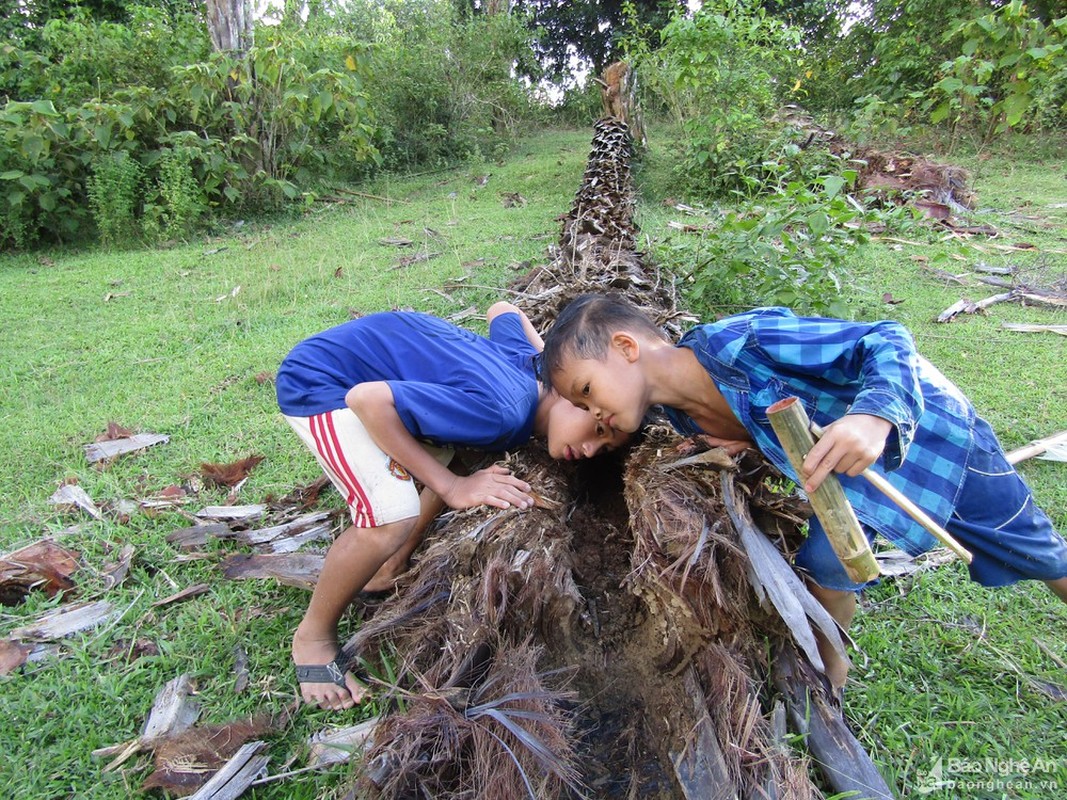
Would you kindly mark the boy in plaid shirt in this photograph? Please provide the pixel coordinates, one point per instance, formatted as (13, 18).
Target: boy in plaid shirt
(877, 399)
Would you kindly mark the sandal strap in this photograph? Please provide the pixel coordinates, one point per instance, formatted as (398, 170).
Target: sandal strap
(334, 672)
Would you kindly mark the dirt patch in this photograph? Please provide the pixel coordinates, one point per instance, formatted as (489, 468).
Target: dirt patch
(615, 652)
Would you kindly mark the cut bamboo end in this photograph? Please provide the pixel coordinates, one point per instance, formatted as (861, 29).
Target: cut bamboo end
(831, 506)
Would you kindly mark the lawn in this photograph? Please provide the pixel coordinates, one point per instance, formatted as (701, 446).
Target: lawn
(175, 340)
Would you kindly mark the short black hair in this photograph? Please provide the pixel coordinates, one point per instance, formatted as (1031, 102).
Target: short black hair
(584, 328)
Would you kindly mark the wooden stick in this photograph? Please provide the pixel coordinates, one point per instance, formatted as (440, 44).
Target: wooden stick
(371, 196)
(909, 508)
(843, 530)
(1036, 448)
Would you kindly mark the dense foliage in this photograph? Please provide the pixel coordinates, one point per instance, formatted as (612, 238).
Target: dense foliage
(985, 65)
(136, 129)
(119, 121)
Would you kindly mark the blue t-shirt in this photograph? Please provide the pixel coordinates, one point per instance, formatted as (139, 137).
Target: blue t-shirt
(451, 387)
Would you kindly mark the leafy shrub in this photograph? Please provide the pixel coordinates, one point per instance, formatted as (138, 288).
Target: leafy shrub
(176, 202)
(113, 188)
(276, 119)
(442, 86)
(250, 133)
(580, 106)
(790, 249)
(720, 73)
(1009, 62)
(79, 58)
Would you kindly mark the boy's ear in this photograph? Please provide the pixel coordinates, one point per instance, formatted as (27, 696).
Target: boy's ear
(627, 344)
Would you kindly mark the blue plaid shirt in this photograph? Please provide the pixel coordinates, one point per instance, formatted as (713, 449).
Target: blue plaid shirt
(836, 368)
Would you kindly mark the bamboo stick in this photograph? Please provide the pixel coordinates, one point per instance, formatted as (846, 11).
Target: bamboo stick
(791, 424)
(909, 508)
(1036, 448)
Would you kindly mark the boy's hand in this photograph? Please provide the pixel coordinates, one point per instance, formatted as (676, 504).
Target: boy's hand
(494, 486)
(849, 445)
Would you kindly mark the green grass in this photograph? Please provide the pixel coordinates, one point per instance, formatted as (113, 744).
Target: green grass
(154, 340)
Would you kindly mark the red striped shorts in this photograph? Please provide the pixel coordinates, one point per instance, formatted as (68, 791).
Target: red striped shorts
(377, 489)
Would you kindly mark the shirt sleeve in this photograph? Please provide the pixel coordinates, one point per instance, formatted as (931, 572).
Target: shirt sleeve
(876, 360)
(450, 416)
(506, 330)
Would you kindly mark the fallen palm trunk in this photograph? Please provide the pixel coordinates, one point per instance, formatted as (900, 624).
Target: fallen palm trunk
(616, 641)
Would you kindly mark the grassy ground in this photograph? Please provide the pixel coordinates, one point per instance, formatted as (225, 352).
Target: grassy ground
(165, 341)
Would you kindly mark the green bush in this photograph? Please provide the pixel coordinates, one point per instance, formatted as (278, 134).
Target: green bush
(251, 133)
(78, 58)
(791, 248)
(176, 202)
(442, 86)
(720, 75)
(1010, 62)
(114, 186)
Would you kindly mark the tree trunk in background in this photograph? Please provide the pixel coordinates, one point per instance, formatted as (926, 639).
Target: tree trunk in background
(230, 24)
(618, 93)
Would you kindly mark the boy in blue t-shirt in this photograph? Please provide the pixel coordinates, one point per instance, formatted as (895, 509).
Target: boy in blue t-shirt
(386, 397)
(877, 399)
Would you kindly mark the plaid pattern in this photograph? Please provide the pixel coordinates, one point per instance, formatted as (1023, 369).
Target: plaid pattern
(836, 367)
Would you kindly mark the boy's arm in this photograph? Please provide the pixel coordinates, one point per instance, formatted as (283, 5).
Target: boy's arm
(880, 360)
(503, 307)
(373, 403)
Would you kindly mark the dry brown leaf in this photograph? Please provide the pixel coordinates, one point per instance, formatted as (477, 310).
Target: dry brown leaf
(115, 573)
(291, 569)
(42, 565)
(229, 475)
(114, 431)
(302, 497)
(187, 593)
(264, 377)
(131, 651)
(186, 761)
(12, 655)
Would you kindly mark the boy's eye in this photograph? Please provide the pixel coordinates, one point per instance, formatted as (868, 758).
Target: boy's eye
(599, 429)
(585, 390)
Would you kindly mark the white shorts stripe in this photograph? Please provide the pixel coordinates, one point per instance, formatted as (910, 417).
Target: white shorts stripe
(376, 489)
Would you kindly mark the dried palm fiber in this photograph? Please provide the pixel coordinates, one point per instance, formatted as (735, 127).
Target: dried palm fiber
(631, 578)
(597, 247)
(506, 737)
(692, 572)
(890, 175)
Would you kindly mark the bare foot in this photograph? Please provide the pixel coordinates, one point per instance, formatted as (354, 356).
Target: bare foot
(326, 695)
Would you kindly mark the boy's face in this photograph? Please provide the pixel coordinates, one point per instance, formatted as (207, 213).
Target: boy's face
(574, 434)
(611, 389)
